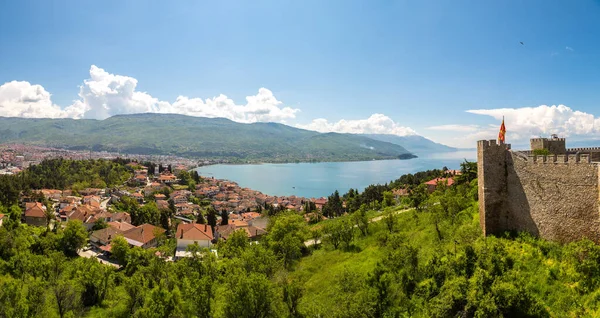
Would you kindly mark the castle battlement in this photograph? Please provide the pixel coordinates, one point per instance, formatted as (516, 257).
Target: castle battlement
(546, 139)
(554, 196)
(559, 159)
(485, 144)
(586, 149)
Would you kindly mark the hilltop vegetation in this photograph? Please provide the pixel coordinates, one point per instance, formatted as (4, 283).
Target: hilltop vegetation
(197, 137)
(422, 256)
(63, 174)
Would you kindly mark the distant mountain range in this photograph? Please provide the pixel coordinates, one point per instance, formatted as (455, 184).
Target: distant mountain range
(414, 143)
(210, 138)
(197, 137)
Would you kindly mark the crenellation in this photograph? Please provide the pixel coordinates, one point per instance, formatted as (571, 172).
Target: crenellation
(573, 158)
(540, 159)
(587, 149)
(585, 158)
(554, 196)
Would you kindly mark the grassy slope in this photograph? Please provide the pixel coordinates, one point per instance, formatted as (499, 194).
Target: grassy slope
(545, 269)
(317, 270)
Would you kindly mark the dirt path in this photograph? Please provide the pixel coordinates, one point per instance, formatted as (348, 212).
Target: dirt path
(375, 219)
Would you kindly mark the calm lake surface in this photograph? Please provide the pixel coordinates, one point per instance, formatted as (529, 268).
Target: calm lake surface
(322, 179)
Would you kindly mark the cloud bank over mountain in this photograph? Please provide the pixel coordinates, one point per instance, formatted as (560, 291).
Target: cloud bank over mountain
(105, 94)
(376, 124)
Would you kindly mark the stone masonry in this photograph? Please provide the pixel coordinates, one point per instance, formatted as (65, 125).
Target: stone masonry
(554, 197)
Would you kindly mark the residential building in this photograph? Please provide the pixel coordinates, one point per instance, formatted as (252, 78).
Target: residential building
(35, 214)
(190, 234)
(103, 237)
(143, 236)
(433, 184)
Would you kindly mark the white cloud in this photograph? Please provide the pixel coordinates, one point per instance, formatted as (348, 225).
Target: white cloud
(544, 120)
(376, 124)
(568, 48)
(259, 108)
(460, 128)
(104, 95)
(22, 99)
(523, 124)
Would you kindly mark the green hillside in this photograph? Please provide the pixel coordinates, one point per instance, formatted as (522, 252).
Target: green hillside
(197, 137)
(431, 261)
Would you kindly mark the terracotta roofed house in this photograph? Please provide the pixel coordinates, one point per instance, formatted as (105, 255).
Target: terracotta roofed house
(143, 236)
(35, 214)
(253, 232)
(190, 234)
(319, 203)
(104, 236)
(432, 184)
(122, 226)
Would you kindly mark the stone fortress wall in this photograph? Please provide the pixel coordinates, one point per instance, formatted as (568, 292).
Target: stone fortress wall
(553, 196)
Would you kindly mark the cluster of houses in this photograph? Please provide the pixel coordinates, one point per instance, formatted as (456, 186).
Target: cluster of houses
(90, 206)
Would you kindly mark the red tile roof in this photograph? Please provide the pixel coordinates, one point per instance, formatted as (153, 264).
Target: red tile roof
(123, 226)
(143, 233)
(36, 211)
(447, 181)
(194, 232)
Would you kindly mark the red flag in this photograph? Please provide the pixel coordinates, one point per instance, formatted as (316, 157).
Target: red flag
(502, 132)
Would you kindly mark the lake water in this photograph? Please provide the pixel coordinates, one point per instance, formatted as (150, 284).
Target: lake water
(322, 179)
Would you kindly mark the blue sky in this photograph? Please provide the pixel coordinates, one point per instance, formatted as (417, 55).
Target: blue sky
(422, 64)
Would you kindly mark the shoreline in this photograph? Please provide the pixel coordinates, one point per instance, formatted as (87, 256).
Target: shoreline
(296, 162)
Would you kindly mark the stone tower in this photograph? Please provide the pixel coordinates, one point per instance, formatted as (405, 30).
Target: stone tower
(554, 145)
(491, 167)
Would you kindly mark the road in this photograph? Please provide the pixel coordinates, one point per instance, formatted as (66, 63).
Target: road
(375, 219)
(101, 258)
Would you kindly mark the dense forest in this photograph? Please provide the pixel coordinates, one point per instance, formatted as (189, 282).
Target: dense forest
(422, 256)
(64, 174)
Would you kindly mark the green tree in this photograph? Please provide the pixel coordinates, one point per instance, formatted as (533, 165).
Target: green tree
(286, 235)
(148, 213)
(224, 217)
(251, 296)
(200, 218)
(390, 219)
(236, 244)
(74, 237)
(192, 186)
(292, 293)
(418, 196)
(468, 171)
(99, 224)
(119, 249)
(361, 219)
(67, 295)
(211, 217)
(339, 232)
(388, 199)
(184, 177)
